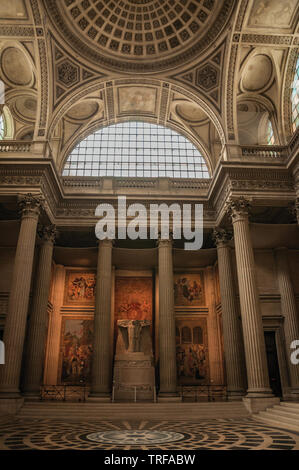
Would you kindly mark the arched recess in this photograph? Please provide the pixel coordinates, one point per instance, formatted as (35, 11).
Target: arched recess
(253, 116)
(18, 74)
(7, 124)
(257, 103)
(148, 100)
(287, 92)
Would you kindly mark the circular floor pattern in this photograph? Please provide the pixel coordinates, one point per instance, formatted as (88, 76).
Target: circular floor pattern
(221, 434)
(135, 437)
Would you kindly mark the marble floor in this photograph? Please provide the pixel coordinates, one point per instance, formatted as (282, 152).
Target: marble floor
(220, 434)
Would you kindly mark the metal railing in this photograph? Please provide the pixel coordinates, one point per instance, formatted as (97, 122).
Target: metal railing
(64, 393)
(134, 392)
(207, 392)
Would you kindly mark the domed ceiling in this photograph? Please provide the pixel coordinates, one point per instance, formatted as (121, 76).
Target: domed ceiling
(139, 35)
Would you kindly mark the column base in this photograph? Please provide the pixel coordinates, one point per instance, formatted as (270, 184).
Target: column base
(235, 395)
(165, 397)
(33, 394)
(254, 405)
(31, 397)
(99, 398)
(259, 393)
(293, 395)
(10, 406)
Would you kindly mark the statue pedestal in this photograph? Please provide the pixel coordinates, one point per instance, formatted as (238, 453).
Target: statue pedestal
(134, 377)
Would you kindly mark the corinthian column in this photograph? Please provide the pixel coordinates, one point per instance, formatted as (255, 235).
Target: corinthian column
(101, 362)
(16, 319)
(167, 346)
(253, 334)
(37, 325)
(232, 334)
(289, 311)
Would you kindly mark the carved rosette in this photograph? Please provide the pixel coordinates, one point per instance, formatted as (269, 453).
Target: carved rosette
(48, 233)
(30, 205)
(221, 236)
(238, 209)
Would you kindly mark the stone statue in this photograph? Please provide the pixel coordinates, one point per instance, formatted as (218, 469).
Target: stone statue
(131, 331)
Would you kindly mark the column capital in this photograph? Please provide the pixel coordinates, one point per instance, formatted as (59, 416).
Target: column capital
(164, 242)
(30, 205)
(221, 236)
(238, 208)
(47, 233)
(106, 243)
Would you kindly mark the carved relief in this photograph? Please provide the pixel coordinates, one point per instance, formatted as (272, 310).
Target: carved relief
(274, 14)
(207, 77)
(140, 99)
(67, 73)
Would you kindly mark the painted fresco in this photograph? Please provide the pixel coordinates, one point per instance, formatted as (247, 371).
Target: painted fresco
(133, 298)
(189, 290)
(80, 287)
(192, 352)
(76, 347)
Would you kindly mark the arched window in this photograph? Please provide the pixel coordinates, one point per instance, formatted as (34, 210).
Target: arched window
(6, 124)
(136, 149)
(270, 134)
(2, 127)
(295, 98)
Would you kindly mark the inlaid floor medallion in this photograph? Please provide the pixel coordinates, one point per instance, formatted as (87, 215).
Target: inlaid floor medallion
(135, 437)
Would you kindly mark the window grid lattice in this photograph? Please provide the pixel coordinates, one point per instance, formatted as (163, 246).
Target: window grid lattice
(136, 149)
(295, 98)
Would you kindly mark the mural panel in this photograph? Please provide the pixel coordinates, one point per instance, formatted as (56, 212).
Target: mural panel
(192, 351)
(189, 290)
(80, 287)
(76, 350)
(133, 298)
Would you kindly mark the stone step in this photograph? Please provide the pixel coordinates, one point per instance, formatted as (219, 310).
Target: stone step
(285, 418)
(165, 411)
(290, 404)
(285, 415)
(284, 411)
(276, 423)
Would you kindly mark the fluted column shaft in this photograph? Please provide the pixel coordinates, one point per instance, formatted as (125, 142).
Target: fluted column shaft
(37, 325)
(232, 334)
(289, 311)
(253, 334)
(215, 360)
(53, 346)
(101, 366)
(167, 346)
(15, 325)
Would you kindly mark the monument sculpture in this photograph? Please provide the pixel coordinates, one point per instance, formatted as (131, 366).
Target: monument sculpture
(134, 375)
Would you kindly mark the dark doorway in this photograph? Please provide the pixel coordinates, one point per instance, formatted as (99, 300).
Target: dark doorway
(273, 366)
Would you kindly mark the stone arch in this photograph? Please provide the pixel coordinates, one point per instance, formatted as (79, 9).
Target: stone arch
(130, 99)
